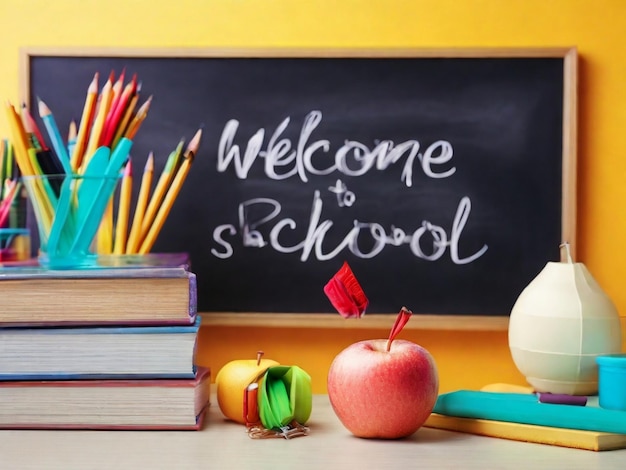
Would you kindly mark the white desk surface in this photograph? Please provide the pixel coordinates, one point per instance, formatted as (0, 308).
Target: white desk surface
(225, 445)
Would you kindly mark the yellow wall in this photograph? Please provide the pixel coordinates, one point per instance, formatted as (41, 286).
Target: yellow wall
(596, 27)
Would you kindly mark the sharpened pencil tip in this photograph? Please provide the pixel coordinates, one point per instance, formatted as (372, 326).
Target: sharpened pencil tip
(128, 170)
(194, 143)
(149, 162)
(44, 110)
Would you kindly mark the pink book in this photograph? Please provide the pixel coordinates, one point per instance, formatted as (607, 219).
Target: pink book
(160, 404)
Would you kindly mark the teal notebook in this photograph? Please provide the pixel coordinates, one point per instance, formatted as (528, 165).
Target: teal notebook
(526, 409)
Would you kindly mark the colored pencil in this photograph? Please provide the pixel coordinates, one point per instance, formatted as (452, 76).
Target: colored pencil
(9, 162)
(138, 118)
(32, 130)
(172, 193)
(71, 137)
(116, 91)
(20, 141)
(121, 224)
(55, 136)
(140, 207)
(5, 205)
(128, 113)
(159, 192)
(3, 162)
(104, 103)
(104, 236)
(17, 213)
(118, 110)
(85, 123)
(27, 163)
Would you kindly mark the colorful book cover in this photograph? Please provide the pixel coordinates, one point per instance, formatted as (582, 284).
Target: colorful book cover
(169, 404)
(72, 353)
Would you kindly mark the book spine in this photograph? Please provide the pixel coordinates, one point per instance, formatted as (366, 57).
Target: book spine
(193, 295)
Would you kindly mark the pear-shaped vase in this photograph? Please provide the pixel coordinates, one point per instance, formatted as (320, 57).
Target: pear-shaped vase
(558, 326)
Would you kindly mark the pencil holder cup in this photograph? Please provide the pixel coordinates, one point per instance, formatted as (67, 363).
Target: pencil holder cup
(14, 244)
(69, 210)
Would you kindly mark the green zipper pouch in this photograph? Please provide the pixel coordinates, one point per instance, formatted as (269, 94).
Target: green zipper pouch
(285, 396)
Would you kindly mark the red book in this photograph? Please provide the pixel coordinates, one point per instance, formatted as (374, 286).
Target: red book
(163, 404)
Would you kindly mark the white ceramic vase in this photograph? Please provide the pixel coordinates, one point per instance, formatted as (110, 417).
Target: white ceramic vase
(560, 322)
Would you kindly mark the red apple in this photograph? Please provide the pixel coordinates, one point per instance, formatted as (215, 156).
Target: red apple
(383, 388)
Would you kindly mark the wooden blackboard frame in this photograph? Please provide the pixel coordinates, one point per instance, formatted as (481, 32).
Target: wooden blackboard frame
(324, 320)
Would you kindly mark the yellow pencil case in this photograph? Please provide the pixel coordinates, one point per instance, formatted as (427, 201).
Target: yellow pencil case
(285, 396)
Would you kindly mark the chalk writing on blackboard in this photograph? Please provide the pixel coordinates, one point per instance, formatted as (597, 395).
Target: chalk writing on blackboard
(283, 159)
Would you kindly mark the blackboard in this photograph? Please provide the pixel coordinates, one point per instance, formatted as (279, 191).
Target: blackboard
(445, 178)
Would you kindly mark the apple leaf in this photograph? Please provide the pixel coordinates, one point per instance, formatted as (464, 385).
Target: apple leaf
(345, 293)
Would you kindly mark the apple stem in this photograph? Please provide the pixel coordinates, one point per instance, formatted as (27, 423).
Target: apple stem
(259, 355)
(401, 320)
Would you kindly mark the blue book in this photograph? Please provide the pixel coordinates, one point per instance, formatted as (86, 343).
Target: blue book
(73, 353)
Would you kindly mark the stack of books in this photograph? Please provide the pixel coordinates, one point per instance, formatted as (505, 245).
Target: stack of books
(103, 348)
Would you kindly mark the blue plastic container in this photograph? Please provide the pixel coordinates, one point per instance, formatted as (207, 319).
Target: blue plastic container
(612, 381)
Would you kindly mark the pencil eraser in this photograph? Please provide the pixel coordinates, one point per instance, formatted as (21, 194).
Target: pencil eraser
(562, 399)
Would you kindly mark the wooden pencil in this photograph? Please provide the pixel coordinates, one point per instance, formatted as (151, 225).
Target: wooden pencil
(121, 223)
(28, 166)
(138, 118)
(118, 110)
(72, 131)
(98, 124)
(20, 141)
(3, 161)
(5, 204)
(104, 236)
(85, 124)
(116, 93)
(32, 130)
(140, 207)
(127, 115)
(159, 191)
(55, 136)
(71, 137)
(172, 193)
